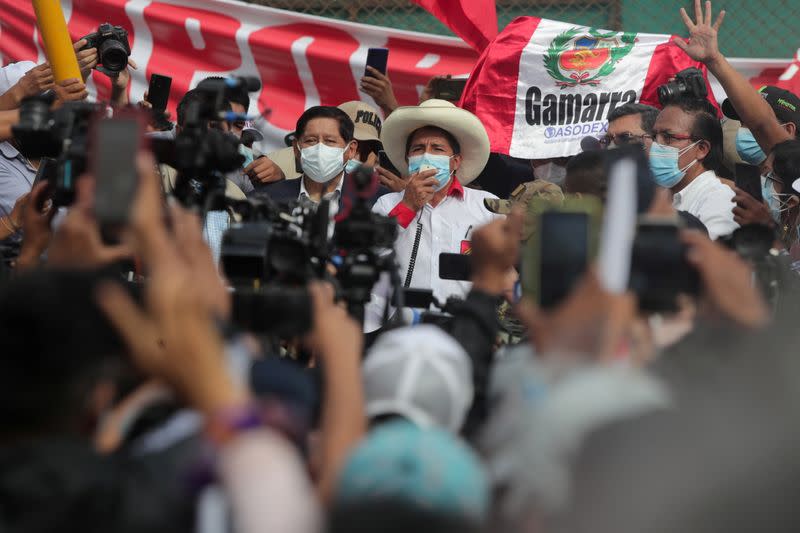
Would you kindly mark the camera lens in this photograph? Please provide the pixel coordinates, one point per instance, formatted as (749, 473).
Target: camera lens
(666, 92)
(113, 55)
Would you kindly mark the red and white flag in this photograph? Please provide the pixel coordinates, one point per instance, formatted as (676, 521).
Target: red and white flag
(541, 86)
(475, 21)
(790, 79)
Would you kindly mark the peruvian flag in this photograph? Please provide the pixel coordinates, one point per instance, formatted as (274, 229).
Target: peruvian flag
(475, 21)
(541, 86)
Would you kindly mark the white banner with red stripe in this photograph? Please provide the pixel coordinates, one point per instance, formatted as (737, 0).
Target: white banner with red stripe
(304, 60)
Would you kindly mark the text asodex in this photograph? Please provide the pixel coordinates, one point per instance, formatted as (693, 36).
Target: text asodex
(560, 109)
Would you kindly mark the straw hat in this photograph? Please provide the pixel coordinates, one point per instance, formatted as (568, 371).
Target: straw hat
(460, 123)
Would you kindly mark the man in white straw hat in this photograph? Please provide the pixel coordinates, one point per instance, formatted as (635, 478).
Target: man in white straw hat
(442, 148)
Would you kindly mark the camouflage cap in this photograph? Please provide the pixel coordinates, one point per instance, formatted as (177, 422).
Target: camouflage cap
(523, 194)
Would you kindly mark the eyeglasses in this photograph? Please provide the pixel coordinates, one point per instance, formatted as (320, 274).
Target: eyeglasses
(667, 139)
(623, 139)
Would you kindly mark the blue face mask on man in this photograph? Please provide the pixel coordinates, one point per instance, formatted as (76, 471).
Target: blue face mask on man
(748, 149)
(426, 161)
(351, 166)
(664, 164)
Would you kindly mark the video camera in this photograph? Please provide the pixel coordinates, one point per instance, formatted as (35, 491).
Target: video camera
(277, 250)
(112, 46)
(688, 83)
(62, 134)
(202, 155)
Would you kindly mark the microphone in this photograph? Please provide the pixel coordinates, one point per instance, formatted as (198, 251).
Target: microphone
(590, 144)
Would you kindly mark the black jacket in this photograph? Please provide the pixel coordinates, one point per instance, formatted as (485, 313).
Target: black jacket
(285, 191)
(62, 484)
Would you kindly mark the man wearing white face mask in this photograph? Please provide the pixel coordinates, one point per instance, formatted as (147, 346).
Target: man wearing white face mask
(686, 151)
(323, 145)
(441, 148)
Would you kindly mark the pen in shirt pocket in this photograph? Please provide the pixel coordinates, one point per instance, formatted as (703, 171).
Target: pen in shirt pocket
(467, 234)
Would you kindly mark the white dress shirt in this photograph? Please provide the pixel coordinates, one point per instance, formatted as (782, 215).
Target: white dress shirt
(444, 227)
(710, 200)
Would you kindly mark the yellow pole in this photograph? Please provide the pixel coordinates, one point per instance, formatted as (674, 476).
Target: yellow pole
(57, 42)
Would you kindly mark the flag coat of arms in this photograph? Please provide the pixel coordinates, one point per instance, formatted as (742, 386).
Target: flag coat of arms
(541, 86)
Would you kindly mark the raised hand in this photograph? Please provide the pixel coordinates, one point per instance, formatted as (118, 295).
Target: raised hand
(702, 45)
(379, 87)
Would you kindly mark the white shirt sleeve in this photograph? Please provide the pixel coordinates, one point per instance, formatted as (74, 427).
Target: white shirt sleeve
(717, 213)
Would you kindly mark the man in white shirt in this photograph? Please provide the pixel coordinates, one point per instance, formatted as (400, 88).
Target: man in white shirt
(443, 148)
(686, 149)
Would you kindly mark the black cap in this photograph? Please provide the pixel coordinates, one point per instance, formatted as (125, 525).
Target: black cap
(785, 104)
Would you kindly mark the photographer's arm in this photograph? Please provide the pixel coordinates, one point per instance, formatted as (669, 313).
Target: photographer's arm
(8, 119)
(338, 342)
(495, 249)
(702, 46)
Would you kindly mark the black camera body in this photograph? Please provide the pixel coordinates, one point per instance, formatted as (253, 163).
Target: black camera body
(282, 248)
(62, 135)
(688, 83)
(112, 46)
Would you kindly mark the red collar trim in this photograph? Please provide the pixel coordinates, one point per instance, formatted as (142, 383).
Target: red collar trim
(456, 189)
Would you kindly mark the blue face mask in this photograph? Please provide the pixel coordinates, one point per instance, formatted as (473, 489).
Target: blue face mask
(351, 166)
(778, 203)
(748, 149)
(664, 164)
(247, 153)
(428, 161)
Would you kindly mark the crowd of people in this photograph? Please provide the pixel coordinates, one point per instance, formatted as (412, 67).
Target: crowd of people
(136, 394)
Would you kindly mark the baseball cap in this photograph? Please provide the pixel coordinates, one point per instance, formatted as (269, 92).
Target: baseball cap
(12, 73)
(420, 373)
(548, 192)
(785, 104)
(426, 467)
(366, 119)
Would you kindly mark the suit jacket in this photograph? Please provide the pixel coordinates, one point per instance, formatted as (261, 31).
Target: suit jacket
(285, 191)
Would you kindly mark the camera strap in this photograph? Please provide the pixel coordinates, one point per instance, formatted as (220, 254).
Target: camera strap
(414, 250)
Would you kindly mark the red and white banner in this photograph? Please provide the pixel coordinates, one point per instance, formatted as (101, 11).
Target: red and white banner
(304, 60)
(541, 86)
(301, 60)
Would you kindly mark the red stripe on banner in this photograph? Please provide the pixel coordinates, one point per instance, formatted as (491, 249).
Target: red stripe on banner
(486, 94)
(17, 27)
(213, 50)
(668, 60)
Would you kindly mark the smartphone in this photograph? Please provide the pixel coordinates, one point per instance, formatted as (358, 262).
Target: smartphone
(449, 89)
(456, 267)
(115, 145)
(659, 269)
(158, 92)
(377, 58)
(47, 171)
(748, 178)
(556, 256)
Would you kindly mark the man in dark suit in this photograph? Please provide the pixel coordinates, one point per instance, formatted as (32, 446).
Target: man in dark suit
(327, 151)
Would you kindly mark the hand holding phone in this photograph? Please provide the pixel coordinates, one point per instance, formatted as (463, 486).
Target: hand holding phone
(158, 91)
(377, 58)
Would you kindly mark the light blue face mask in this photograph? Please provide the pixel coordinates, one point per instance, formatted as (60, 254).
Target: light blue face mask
(351, 166)
(430, 161)
(248, 155)
(664, 164)
(748, 149)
